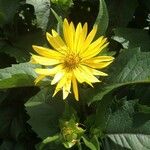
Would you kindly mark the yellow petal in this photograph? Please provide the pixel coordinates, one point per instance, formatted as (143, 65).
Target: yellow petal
(48, 72)
(82, 38)
(46, 52)
(67, 87)
(75, 88)
(84, 76)
(77, 36)
(85, 30)
(66, 32)
(99, 65)
(61, 83)
(97, 72)
(89, 38)
(39, 78)
(71, 35)
(57, 76)
(56, 42)
(78, 75)
(88, 74)
(32, 60)
(59, 86)
(45, 61)
(95, 48)
(59, 40)
(98, 59)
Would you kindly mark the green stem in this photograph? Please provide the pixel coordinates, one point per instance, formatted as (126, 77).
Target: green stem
(79, 145)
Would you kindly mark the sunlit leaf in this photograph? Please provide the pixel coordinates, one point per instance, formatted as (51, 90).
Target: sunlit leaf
(42, 11)
(18, 75)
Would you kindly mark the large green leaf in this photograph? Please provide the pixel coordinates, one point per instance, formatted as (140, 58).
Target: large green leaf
(12, 120)
(121, 12)
(44, 113)
(147, 4)
(14, 130)
(7, 10)
(102, 18)
(18, 75)
(20, 46)
(127, 142)
(127, 128)
(18, 53)
(131, 67)
(42, 11)
(23, 44)
(130, 38)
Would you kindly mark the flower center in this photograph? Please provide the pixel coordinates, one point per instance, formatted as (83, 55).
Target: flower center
(71, 61)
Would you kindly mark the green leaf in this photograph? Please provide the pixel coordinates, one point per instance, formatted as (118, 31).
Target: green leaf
(102, 18)
(130, 38)
(102, 115)
(3, 95)
(50, 139)
(12, 145)
(60, 22)
(89, 144)
(131, 67)
(44, 113)
(42, 11)
(96, 142)
(2, 19)
(127, 128)
(127, 142)
(121, 12)
(51, 146)
(143, 108)
(142, 92)
(147, 4)
(67, 3)
(7, 10)
(18, 75)
(20, 46)
(14, 124)
(23, 45)
(47, 141)
(19, 54)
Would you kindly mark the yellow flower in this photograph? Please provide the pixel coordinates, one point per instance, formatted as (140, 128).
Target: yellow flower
(74, 59)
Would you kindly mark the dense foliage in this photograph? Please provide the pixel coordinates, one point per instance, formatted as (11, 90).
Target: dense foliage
(115, 114)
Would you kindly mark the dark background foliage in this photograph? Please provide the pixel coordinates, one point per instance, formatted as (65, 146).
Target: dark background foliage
(23, 23)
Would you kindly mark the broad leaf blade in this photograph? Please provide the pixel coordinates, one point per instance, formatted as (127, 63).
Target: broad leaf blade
(131, 67)
(18, 75)
(121, 12)
(127, 128)
(102, 18)
(127, 142)
(7, 10)
(44, 113)
(130, 38)
(42, 11)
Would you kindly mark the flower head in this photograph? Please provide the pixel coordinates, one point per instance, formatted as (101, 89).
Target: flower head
(72, 60)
